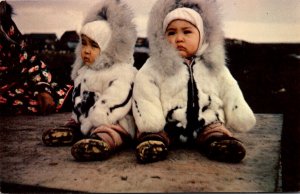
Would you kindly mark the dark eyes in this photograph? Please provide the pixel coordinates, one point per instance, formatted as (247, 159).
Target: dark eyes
(83, 42)
(187, 32)
(171, 33)
(95, 45)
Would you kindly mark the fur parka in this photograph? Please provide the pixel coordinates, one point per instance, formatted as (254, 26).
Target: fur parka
(103, 91)
(170, 95)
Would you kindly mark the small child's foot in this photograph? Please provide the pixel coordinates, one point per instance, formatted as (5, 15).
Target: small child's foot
(61, 136)
(151, 151)
(90, 150)
(226, 149)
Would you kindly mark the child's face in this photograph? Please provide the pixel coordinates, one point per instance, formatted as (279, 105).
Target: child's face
(183, 36)
(90, 50)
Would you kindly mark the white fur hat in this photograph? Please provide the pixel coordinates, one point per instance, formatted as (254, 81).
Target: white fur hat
(99, 31)
(186, 14)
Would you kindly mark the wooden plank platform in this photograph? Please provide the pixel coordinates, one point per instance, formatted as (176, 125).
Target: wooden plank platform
(26, 161)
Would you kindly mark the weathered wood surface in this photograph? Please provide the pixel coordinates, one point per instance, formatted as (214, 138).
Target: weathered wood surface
(26, 161)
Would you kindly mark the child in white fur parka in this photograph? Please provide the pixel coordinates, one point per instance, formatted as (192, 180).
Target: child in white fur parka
(103, 75)
(184, 93)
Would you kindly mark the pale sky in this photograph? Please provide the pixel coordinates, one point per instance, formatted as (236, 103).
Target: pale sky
(249, 20)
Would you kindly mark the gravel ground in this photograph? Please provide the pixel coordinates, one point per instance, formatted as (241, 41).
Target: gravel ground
(26, 161)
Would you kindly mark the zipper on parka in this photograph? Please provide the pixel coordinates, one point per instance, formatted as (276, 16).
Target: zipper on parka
(192, 86)
(192, 111)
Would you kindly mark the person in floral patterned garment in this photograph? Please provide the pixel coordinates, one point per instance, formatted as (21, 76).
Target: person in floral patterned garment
(26, 85)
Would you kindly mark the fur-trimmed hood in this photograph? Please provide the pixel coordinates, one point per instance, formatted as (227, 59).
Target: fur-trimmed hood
(212, 51)
(121, 46)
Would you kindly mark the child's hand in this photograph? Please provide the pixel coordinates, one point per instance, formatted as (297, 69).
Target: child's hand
(46, 103)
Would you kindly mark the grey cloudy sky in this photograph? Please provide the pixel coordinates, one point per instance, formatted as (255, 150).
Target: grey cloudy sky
(250, 20)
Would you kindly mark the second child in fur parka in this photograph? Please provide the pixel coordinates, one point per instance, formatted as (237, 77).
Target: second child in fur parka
(102, 85)
(184, 93)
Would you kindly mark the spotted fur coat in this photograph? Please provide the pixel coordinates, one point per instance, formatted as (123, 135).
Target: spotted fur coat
(180, 98)
(103, 91)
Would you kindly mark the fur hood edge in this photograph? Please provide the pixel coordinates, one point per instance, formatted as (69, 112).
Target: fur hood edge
(120, 48)
(161, 50)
